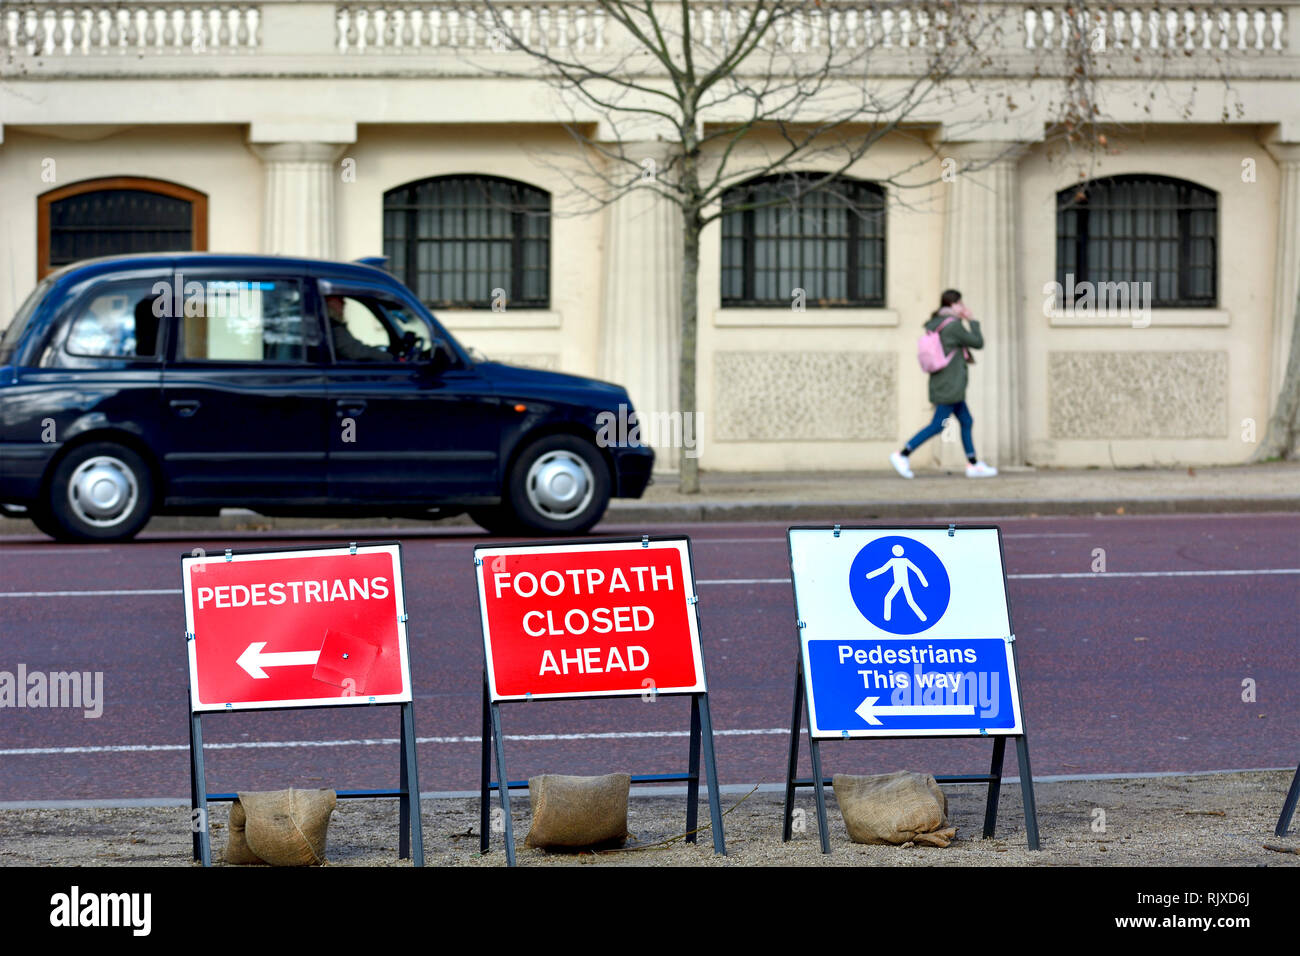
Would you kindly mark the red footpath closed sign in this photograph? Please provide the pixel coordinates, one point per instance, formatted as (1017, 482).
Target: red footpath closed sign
(300, 628)
(589, 620)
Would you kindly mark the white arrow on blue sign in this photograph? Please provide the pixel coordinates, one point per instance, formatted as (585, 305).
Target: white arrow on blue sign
(891, 687)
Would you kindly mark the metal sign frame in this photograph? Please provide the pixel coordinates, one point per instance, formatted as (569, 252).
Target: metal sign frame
(410, 829)
(1288, 806)
(801, 712)
(701, 726)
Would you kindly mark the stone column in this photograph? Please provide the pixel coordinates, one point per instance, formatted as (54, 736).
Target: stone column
(1286, 268)
(640, 329)
(980, 258)
(298, 207)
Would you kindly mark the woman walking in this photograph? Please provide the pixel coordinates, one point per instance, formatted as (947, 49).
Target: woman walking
(948, 382)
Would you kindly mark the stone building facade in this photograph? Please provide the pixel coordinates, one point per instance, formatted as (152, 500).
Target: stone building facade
(308, 127)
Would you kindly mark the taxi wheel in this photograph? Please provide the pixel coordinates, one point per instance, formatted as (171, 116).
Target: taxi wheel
(559, 484)
(98, 492)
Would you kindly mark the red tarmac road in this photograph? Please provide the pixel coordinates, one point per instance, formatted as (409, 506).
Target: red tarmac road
(1136, 669)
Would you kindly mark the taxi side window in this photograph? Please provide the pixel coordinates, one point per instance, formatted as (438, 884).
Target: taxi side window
(118, 320)
(359, 330)
(360, 320)
(245, 321)
(404, 320)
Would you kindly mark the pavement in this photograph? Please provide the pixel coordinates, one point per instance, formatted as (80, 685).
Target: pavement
(752, 496)
(838, 496)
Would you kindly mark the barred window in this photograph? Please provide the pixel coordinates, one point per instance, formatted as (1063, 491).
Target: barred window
(455, 239)
(1145, 229)
(830, 243)
(119, 215)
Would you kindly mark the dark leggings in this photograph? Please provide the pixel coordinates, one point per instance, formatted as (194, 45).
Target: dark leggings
(942, 412)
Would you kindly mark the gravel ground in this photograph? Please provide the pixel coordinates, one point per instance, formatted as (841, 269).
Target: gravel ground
(1205, 820)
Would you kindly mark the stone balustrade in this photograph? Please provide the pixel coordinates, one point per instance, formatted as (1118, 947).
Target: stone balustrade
(380, 26)
(66, 30)
(93, 29)
(1207, 28)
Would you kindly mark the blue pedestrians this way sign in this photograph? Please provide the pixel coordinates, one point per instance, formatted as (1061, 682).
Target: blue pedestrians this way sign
(905, 632)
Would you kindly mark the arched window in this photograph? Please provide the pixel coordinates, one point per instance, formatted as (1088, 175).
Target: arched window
(121, 215)
(1144, 229)
(778, 236)
(455, 239)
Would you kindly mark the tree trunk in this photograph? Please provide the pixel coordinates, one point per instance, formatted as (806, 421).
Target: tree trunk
(689, 475)
(1284, 426)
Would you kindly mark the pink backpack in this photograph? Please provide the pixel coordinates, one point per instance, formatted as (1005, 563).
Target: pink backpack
(929, 349)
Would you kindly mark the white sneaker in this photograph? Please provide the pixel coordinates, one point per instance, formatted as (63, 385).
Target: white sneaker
(900, 464)
(980, 470)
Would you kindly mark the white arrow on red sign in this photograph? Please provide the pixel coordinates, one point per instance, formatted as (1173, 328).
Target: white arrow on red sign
(253, 659)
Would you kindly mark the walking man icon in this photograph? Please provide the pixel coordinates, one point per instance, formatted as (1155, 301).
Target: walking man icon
(900, 566)
(893, 564)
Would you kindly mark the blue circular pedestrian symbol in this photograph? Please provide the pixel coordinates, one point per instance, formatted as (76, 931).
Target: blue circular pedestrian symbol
(899, 585)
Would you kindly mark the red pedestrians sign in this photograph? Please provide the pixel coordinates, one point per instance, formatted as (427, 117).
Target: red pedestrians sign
(296, 628)
(589, 620)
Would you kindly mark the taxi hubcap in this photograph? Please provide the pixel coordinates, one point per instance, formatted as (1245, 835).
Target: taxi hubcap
(103, 491)
(560, 485)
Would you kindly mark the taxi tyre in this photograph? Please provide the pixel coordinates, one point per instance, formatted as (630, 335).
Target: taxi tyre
(98, 492)
(495, 520)
(547, 471)
(44, 521)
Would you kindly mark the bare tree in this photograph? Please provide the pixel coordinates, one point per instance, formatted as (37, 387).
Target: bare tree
(1282, 439)
(783, 89)
(798, 91)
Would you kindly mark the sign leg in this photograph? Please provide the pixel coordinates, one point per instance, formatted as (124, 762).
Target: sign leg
(503, 784)
(403, 801)
(995, 786)
(693, 771)
(1027, 791)
(485, 780)
(194, 796)
(413, 784)
(711, 768)
(200, 784)
(822, 829)
(1288, 808)
(792, 765)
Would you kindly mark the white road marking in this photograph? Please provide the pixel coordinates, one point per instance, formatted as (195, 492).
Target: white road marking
(370, 742)
(743, 581)
(1094, 575)
(62, 552)
(1043, 534)
(1244, 572)
(1067, 574)
(144, 592)
(1053, 534)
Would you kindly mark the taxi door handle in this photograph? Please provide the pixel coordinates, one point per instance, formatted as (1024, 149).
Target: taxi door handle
(185, 407)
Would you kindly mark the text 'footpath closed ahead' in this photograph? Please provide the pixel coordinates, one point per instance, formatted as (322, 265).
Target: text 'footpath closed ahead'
(589, 620)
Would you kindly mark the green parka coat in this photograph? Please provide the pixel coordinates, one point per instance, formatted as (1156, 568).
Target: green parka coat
(948, 385)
